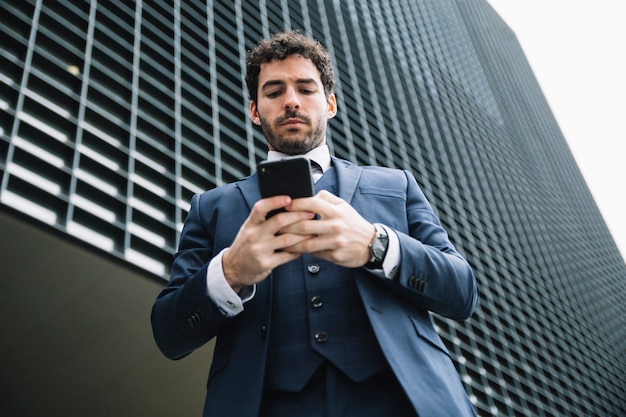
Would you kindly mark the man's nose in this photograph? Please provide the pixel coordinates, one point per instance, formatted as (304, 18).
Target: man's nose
(291, 100)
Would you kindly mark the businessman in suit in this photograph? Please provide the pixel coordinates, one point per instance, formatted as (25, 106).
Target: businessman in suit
(323, 309)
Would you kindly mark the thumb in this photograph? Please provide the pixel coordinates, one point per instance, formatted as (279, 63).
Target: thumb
(329, 197)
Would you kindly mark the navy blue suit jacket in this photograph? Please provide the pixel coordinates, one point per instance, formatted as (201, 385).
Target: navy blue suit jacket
(432, 277)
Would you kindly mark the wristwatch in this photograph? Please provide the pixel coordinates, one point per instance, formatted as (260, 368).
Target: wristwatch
(378, 248)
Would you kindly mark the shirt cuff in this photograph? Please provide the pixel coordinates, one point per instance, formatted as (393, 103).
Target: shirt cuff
(392, 258)
(219, 291)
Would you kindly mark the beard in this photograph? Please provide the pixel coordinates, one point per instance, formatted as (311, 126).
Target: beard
(294, 142)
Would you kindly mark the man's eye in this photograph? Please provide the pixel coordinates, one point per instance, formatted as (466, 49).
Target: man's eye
(273, 94)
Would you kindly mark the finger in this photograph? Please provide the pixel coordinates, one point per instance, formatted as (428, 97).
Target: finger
(312, 227)
(280, 223)
(288, 240)
(312, 205)
(264, 206)
(314, 244)
(330, 197)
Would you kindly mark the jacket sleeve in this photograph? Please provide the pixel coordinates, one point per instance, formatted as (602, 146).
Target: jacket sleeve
(183, 316)
(432, 274)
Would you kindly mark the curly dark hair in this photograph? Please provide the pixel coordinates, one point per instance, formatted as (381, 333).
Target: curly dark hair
(281, 46)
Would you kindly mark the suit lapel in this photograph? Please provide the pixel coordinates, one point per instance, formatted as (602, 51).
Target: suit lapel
(250, 190)
(348, 176)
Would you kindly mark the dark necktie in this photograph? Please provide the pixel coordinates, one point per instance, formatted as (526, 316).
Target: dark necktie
(316, 171)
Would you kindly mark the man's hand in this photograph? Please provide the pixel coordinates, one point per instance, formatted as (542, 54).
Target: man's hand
(341, 235)
(260, 244)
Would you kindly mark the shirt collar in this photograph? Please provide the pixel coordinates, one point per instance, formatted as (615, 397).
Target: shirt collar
(321, 155)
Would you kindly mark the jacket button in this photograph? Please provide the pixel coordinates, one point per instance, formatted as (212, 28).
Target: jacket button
(321, 337)
(313, 268)
(317, 302)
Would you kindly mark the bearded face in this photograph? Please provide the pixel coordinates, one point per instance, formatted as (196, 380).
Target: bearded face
(292, 107)
(293, 138)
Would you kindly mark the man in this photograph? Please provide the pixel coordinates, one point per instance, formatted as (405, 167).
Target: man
(321, 310)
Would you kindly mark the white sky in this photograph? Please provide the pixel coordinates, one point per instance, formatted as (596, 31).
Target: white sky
(577, 49)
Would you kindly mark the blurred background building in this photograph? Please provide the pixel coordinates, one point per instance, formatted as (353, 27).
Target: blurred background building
(113, 114)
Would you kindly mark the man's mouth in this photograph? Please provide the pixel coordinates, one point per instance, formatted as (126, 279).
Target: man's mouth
(293, 119)
(292, 122)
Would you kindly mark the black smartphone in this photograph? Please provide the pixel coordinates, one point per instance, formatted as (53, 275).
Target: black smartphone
(289, 176)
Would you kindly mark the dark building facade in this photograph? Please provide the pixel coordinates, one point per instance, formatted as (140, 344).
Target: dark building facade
(113, 114)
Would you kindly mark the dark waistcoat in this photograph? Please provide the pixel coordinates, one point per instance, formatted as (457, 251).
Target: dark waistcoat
(317, 316)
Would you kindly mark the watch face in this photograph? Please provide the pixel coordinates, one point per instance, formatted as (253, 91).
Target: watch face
(378, 249)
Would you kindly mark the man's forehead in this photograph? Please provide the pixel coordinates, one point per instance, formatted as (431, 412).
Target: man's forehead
(293, 68)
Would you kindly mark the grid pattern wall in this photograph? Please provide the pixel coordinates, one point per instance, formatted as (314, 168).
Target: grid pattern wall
(112, 117)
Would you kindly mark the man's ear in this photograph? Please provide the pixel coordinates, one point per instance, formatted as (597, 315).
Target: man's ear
(332, 106)
(254, 114)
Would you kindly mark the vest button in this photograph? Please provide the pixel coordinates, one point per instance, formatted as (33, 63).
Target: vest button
(313, 268)
(317, 302)
(321, 337)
